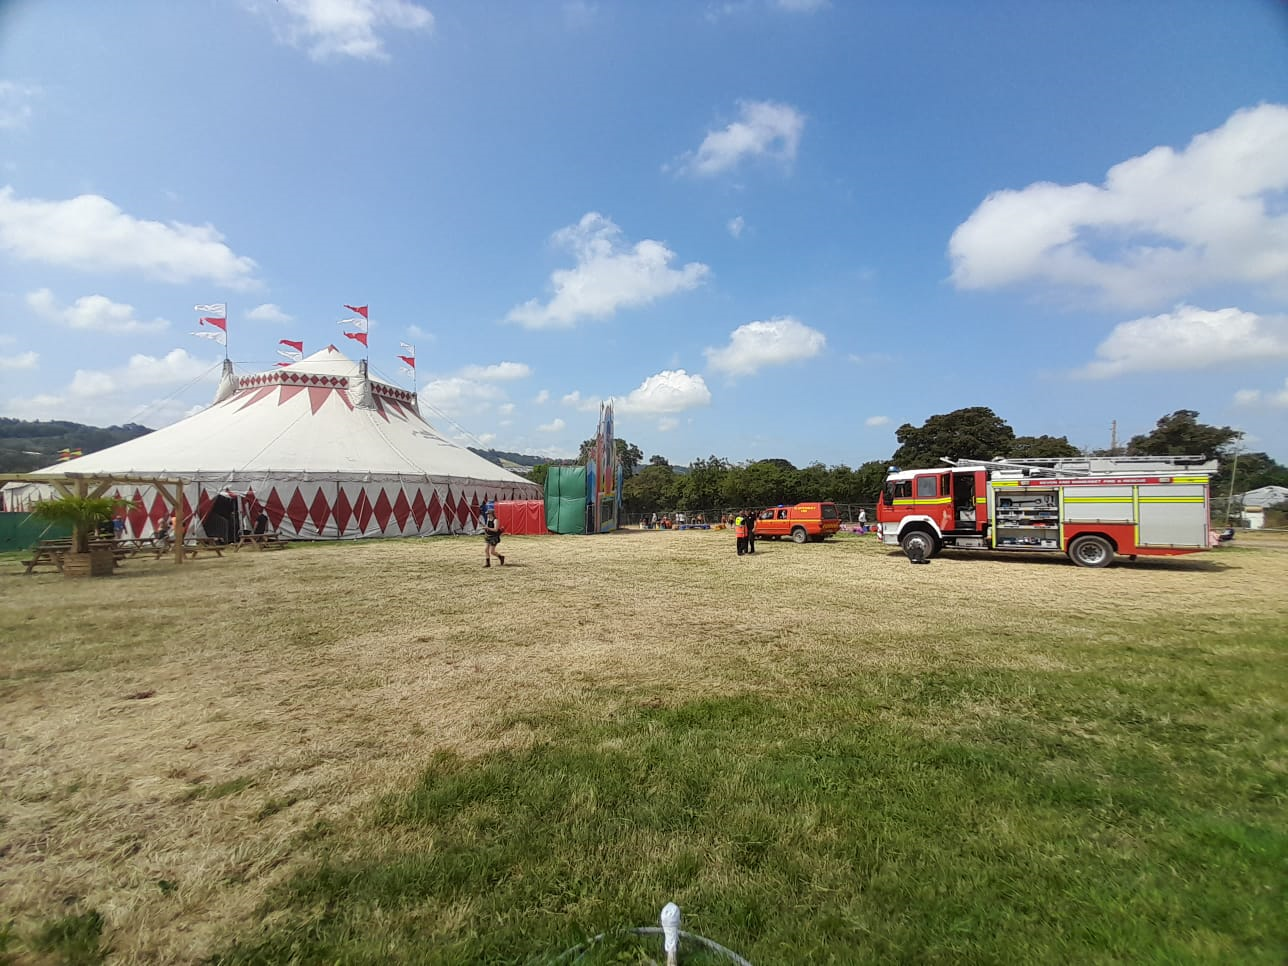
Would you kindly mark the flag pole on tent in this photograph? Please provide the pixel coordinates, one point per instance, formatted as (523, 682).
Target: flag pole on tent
(359, 322)
(295, 354)
(214, 315)
(409, 363)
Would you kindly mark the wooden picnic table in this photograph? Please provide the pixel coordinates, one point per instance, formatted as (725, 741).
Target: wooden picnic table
(52, 552)
(261, 541)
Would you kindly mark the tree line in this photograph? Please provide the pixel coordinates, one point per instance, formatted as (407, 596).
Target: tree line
(971, 433)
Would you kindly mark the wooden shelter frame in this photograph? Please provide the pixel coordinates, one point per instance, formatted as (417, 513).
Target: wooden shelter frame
(96, 484)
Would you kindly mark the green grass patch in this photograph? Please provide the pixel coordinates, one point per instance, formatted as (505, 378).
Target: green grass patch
(1111, 813)
(234, 786)
(75, 940)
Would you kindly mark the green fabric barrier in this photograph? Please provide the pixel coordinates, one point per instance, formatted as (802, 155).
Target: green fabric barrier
(18, 531)
(566, 499)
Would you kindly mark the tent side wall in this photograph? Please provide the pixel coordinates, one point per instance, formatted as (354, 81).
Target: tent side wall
(566, 499)
(328, 509)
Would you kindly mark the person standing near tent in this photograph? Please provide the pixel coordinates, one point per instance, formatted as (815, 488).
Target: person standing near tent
(863, 520)
(491, 537)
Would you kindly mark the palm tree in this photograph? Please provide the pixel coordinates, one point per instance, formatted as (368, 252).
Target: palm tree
(82, 513)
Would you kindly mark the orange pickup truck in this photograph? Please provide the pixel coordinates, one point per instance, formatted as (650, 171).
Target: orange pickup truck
(804, 521)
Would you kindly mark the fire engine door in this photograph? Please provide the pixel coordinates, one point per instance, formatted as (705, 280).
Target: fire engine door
(964, 501)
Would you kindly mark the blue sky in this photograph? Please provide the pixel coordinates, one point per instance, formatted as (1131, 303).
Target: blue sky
(765, 228)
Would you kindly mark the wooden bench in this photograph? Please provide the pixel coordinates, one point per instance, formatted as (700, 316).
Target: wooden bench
(261, 541)
(51, 552)
(47, 552)
(195, 545)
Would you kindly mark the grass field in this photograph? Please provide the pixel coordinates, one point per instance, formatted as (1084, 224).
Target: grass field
(382, 752)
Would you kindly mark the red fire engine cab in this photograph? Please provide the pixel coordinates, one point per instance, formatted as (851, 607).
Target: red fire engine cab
(1090, 509)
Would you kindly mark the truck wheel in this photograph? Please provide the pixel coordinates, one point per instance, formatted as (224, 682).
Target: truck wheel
(799, 535)
(1091, 551)
(918, 542)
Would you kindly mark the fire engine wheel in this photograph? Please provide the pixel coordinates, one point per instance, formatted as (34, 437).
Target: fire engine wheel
(919, 543)
(799, 535)
(1091, 551)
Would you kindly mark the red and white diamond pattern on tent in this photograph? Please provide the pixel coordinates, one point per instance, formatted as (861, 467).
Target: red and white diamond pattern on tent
(204, 502)
(382, 510)
(297, 511)
(402, 510)
(326, 510)
(160, 510)
(276, 512)
(251, 505)
(320, 509)
(362, 510)
(343, 511)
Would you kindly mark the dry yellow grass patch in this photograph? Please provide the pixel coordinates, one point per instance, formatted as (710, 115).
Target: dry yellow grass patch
(169, 733)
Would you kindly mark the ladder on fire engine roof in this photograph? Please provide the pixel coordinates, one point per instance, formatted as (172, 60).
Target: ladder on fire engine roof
(1094, 465)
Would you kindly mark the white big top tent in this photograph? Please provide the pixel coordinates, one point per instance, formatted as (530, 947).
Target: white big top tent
(325, 451)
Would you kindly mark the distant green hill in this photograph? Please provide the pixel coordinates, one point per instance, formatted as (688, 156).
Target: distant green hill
(27, 445)
(517, 462)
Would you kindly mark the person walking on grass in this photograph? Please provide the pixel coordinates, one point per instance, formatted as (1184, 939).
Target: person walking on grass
(491, 538)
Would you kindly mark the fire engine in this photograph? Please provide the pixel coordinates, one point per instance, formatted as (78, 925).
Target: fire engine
(1090, 508)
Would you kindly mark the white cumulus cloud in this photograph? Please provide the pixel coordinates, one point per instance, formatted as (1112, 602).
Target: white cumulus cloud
(91, 313)
(669, 391)
(92, 234)
(1188, 338)
(736, 226)
(330, 29)
(268, 312)
(1255, 397)
(758, 344)
(501, 372)
(456, 395)
(764, 129)
(542, 397)
(610, 274)
(554, 426)
(876, 421)
(106, 396)
(1162, 224)
(23, 360)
